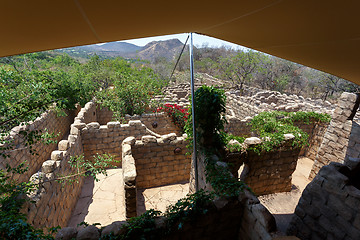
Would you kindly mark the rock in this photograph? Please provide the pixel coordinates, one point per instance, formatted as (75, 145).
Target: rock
(48, 166)
(117, 228)
(252, 141)
(113, 124)
(263, 215)
(129, 140)
(351, 162)
(93, 125)
(148, 139)
(57, 155)
(89, 233)
(233, 142)
(63, 145)
(288, 136)
(66, 233)
(135, 123)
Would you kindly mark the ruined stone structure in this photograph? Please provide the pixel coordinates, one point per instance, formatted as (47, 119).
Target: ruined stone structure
(152, 162)
(342, 137)
(243, 218)
(154, 156)
(19, 152)
(330, 205)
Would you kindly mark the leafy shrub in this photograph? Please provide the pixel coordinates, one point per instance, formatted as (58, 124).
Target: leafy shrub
(209, 117)
(271, 126)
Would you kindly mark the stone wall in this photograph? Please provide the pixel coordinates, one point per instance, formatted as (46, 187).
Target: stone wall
(341, 137)
(315, 130)
(270, 172)
(264, 173)
(242, 218)
(104, 115)
(161, 161)
(20, 153)
(329, 207)
(152, 162)
(54, 201)
(256, 221)
(251, 101)
(108, 138)
(163, 125)
(87, 114)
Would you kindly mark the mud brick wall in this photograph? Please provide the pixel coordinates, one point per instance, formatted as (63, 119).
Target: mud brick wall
(338, 140)
(242, 218)
(53, 201)
(240, 109)
(19, 153)
(129, 174)
(157, 162)
(328, 208)
(87, 114)
(256, 222)
(164, 123)
(152, 162)
(271, 172)
(239, 127)
(108, 138)
(104, 115)
(315, 130)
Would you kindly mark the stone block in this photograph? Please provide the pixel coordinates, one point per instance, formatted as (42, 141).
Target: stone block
(93, 125)
(57, 155)
(126, 150)
(135, 123)
(252, 141)
(113, 125)
(66, 233)
(48, 166)
(148, 139)
(63, 145)
(129, 140)
(89, 233)
(117, 228)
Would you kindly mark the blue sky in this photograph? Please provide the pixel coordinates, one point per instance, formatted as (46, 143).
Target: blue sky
(199, 40)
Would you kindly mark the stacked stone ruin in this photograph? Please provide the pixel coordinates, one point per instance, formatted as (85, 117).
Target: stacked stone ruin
(154, 154)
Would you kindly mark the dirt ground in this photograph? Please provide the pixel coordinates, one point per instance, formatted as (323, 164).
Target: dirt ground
(282, 205)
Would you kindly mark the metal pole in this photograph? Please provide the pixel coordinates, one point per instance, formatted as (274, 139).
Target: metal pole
(193, 111)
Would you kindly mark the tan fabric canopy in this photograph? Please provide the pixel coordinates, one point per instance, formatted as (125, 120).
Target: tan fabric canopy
(321, 34)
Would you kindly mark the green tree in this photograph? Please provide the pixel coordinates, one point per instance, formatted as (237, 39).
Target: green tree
(239, 68)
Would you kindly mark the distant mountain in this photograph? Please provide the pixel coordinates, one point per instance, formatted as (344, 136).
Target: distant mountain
(168, 49)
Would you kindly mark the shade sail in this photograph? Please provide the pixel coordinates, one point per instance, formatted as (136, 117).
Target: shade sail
(321, 34)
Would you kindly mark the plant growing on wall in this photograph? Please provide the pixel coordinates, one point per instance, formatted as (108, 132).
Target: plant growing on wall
(209, 122)
(271, 126)
(209, 117)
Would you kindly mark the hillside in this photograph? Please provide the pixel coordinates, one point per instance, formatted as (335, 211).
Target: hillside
(165, 49)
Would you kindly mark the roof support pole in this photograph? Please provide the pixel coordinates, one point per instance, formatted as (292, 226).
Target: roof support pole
(193, 111)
